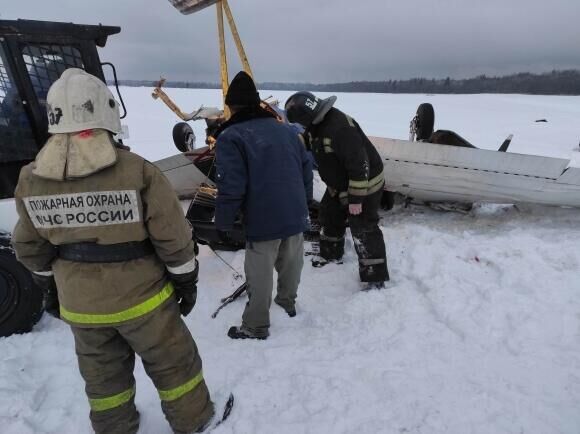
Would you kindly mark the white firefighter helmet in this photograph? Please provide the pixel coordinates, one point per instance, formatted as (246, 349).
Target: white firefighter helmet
(80, 101)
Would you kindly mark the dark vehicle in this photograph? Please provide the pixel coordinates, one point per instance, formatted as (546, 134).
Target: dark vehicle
(33, 54)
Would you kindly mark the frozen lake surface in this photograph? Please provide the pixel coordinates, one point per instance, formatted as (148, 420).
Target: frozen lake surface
(478, 331)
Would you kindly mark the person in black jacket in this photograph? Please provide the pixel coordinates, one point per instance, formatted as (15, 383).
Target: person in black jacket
(263, 171)
(352, 169)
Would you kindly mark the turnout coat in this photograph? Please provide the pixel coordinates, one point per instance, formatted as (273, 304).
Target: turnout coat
(347, 161)
(83, 189)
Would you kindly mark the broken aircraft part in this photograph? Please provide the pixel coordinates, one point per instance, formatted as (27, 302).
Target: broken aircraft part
(187, 7)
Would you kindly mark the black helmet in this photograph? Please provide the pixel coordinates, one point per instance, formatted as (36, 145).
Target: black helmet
(304, 108)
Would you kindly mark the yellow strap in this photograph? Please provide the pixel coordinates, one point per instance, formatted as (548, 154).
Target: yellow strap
(103, 404)
(125, 315)
(179, 391)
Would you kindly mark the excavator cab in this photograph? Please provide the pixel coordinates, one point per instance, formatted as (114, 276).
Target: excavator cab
(33, 54)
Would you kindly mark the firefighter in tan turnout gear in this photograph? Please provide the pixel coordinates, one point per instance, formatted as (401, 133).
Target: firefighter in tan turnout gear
(106, 226)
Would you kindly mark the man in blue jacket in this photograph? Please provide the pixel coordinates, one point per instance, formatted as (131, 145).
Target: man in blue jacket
(263, 171)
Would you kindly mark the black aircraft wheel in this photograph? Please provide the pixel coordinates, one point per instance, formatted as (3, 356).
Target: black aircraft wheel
(425, 121)
(183, 137)
(20, 299)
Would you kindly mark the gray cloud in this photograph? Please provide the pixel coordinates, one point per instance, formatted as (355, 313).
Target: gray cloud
(330, 41)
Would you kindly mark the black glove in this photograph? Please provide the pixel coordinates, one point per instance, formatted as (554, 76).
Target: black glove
(185, 286)
(50, 295)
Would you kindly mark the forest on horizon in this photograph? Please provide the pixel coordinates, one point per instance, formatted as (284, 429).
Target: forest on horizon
(566, 82)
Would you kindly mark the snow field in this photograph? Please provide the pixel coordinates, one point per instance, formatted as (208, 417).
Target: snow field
(484, 120)
(478, 331)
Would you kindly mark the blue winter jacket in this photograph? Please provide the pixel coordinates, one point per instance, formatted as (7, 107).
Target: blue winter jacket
(264, 171)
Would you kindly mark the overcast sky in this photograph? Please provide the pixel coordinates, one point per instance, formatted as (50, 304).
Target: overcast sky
(330, 40)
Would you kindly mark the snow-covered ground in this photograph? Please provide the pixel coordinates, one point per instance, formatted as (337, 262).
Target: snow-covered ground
(478, 331)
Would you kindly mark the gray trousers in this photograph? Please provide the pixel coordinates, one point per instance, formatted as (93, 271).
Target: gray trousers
(287, 257)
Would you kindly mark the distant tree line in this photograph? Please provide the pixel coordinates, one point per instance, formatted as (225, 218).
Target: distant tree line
(551, 83)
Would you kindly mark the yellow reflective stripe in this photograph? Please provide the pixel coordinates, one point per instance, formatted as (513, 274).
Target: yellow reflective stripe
(125, 315)
(367, 182)
(103, 404)
(358, 184)
(377, 179)
(376, 188)
(179, 391)
(372, 261)
(365, 191)
(364, 188)
(327, 145)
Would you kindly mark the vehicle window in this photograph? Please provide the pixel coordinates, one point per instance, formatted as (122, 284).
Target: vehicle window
(16, 139)
(17, 143)
(45, 64)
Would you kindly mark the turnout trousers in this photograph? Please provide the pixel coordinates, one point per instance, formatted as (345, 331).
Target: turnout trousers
(366, 234)
(262, 257)
(106, 357)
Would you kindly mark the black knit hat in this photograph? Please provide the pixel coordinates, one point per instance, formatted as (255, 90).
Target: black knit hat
(242, 91)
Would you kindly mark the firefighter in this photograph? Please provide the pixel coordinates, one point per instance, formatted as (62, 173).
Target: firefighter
(105, 237)
(264, 171)
(352, 169)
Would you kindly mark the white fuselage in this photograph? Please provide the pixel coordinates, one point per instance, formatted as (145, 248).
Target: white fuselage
(436, 173)
(442, 173)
